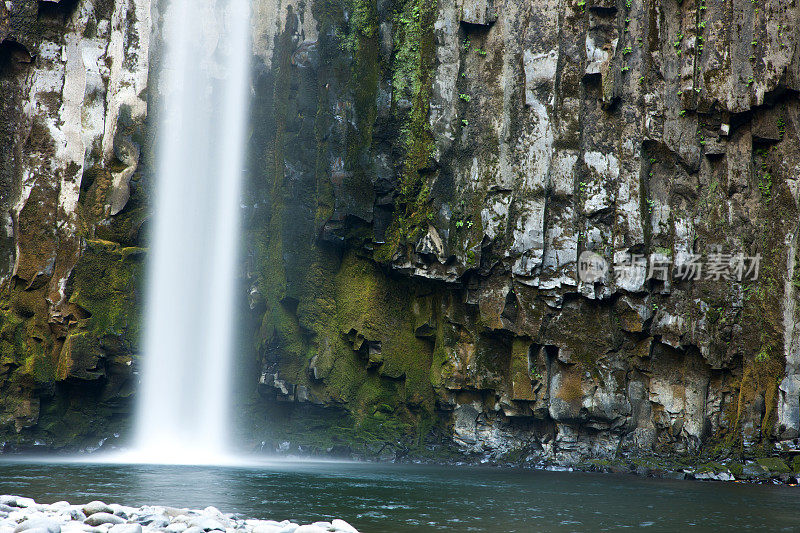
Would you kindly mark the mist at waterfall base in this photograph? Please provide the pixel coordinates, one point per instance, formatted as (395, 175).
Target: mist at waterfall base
(184, 394)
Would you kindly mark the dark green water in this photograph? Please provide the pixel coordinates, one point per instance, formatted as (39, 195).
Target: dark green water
(400, 498)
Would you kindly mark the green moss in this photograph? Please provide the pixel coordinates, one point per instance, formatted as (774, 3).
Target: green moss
(764, 363)
(412, 77)
(774, 465)
(107, 283)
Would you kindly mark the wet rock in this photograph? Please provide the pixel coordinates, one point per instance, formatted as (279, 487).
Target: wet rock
(267, 526)
(37, 518)
(125, 528)
(342, 526)
(207, 524)
(96, 507)
(38, 525)
(98, 519)
(153, 521)
(753, 472)
(774, 465)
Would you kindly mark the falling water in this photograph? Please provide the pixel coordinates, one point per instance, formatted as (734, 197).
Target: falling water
(184, 398)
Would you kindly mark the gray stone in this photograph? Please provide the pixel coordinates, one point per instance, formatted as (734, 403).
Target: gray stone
(50, 526)
(309, 528)
(97, 507)
(103, 518)
(267, 528)
(207, 524)
(342, 526)
(153, 521)
(125, 528)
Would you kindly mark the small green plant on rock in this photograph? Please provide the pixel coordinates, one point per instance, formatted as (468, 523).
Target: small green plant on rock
(765, 186)
(465, 97)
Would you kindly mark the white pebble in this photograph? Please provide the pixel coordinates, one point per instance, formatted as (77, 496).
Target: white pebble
(24, 515)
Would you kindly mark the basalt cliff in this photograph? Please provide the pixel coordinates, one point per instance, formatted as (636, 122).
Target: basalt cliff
(423, 180)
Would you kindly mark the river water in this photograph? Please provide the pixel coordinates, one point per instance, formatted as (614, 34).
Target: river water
(411, 498)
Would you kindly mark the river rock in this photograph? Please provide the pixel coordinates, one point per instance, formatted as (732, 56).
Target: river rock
(207, 524)
(39, 524)
(265, 526)
(344, 527)
(17, 501)
(103, 518)
(754, 472)
(91, 529)
(311, 528)
(122, 510)
(96, 507)
(774, 465)
(62, 517)
(126, 528)
(154, 521)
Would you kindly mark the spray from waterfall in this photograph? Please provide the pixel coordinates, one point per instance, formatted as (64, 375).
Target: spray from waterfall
(184, 397)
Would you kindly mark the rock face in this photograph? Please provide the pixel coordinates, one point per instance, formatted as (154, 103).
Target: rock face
(73, 78)
(426, 178)
(427, 182)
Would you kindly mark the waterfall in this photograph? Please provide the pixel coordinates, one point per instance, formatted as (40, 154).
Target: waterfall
(184, 398)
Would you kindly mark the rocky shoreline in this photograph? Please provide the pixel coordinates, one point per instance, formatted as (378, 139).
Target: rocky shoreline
(23, 515)
(782, 467)
(761, 470)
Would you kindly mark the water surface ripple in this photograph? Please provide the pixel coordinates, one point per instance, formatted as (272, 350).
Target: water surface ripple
(410, 498)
